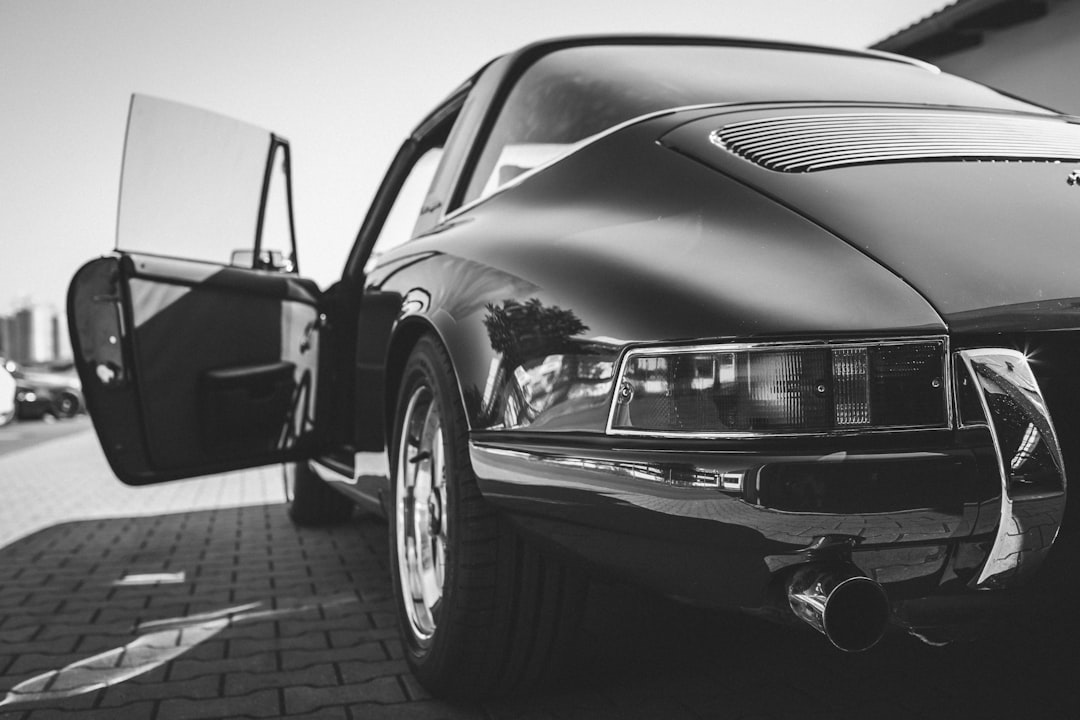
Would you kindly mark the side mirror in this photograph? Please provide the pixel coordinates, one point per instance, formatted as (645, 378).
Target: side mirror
(272, 260)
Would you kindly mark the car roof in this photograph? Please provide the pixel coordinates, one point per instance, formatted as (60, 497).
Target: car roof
(543, 47)
(755, 71)
(529, 53)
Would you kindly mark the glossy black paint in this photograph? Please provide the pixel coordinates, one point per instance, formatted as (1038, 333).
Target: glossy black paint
(651, 234)
(662, 237)
(646, 247)
(981, 241)
(746, 71)
(624, 205)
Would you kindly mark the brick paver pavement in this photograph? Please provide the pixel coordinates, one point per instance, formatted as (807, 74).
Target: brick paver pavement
(68, 479)
(298, 623)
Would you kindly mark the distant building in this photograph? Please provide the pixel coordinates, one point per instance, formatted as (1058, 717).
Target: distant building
(7, 336)
(1027, 48)
(61, 339)
(34, 330)
(34, 334)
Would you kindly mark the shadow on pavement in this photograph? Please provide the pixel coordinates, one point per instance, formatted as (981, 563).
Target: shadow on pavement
(299, 622)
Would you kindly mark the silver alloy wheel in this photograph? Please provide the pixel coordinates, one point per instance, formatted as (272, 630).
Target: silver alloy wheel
(421, 518)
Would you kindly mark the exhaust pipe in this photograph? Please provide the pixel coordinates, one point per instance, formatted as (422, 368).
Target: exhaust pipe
(837, 600)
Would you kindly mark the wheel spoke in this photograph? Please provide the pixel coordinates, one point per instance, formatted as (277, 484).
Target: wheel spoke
(420, 513)
(416, 591)
(438, 474)
(440, 560)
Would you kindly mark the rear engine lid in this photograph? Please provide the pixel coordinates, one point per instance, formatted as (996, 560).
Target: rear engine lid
(978, 210)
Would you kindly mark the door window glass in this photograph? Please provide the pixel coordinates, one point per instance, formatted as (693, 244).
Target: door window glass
(192, 183)
(404, 214)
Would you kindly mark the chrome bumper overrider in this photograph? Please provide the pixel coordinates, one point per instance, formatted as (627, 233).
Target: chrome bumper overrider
(1029, 463)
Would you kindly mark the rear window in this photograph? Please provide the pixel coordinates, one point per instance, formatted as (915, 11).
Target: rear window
(570, 95)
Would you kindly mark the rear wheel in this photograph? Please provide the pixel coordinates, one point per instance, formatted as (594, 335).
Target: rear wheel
(481, 613)
(311, 501)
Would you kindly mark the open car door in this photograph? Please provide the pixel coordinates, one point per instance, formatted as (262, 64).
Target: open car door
(196, 341)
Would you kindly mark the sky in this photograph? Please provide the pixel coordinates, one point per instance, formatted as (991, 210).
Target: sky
(344, 81)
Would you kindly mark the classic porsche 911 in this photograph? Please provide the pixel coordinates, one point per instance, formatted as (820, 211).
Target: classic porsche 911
(769, 327)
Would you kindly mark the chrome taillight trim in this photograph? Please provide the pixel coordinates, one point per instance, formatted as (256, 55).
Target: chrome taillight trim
(807, 143)
(630, 353)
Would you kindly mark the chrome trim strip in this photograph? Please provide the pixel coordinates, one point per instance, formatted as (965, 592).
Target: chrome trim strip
(805, 143)
(1029, 521)
(575, 147)
(328, 474)
(947, 380)
(668, 483)
(885, 55)
(653, 473)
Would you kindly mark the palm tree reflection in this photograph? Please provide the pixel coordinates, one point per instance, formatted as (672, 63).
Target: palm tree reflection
(544, 375)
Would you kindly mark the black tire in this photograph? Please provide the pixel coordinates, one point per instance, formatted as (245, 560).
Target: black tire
(505, 614)
(67, 405)
(311, 501)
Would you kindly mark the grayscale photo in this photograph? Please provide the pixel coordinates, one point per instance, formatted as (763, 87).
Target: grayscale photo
(562, 361)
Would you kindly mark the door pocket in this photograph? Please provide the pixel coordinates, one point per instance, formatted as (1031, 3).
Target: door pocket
(243, 410)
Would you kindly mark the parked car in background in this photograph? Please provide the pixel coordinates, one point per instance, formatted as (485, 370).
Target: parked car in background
(45, 392)
(777, 328)
(7, 394)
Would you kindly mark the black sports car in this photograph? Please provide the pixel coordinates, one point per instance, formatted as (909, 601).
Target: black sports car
(773, 327)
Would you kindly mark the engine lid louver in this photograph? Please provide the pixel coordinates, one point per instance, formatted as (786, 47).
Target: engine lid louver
(806, 143)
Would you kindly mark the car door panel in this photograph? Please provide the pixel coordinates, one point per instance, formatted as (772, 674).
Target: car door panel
(197, 348)
(223, 360)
